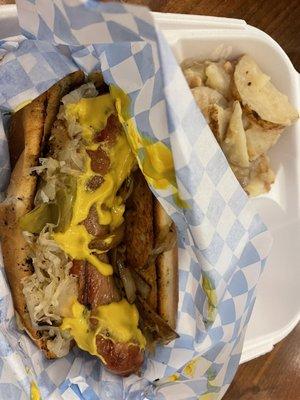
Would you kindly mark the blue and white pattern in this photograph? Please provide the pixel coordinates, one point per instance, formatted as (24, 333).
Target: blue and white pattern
(223, 242)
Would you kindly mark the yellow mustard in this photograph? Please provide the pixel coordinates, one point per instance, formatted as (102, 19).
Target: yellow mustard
(208, 396)
(92, 114)
(155, 158)
(211, 296)
(173, 378)
(190, 368)
(117, 320)
(34, 392)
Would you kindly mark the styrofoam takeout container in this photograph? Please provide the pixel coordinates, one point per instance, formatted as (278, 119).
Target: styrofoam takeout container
(277, 308)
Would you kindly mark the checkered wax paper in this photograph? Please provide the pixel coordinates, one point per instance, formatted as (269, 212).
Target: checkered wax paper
(223, 244)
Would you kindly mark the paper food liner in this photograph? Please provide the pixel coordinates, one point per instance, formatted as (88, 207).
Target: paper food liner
(223, 244)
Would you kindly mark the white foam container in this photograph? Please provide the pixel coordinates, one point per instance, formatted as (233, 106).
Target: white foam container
(277, 308)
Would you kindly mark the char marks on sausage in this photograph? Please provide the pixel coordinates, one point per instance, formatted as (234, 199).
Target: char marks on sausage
(93, 226)
(95, 290)
(78, 269)
(94, 183)
(101, 290)
(110, 132)
(122, 358)
(100, 161)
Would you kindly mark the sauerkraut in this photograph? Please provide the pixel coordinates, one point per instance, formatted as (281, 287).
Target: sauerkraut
(48, 170)
(67, 151)
(86, 90)
(50, 290)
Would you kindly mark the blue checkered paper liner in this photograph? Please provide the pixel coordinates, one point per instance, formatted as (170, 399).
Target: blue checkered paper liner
(223, 244)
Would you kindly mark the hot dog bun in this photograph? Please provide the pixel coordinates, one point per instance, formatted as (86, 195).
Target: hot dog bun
(29, 128)
(147, 227)
(167, 269)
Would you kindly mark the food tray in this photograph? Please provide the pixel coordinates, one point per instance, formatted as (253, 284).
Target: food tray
(210, 37)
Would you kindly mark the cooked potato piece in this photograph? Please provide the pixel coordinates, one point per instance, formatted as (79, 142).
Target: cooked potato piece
(234, 144)
(259, 140)
(196, 65)
(218, 120)
(255, 119)
(257, 93)
(241, 174)
(245, 112)
(246, 121)
(206, 96)
(193, 78)
(218, 79)
(228, 67)
(261, 177)
(194, 72)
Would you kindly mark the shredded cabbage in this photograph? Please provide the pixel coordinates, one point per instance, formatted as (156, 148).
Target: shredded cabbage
(50, 290)
(48, 166)
(71, 155)
(48, 169)
(52, 171)
(68, 159)
(58, 342)
(86, 90)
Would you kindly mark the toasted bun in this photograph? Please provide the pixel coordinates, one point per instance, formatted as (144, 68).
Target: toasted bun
(29, 128)
(139, 223)
(167, 270)
(147, 223)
